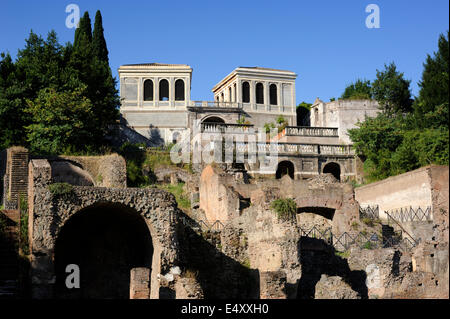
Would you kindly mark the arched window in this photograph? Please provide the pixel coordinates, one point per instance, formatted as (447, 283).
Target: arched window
(334, 169)
(179, 90)
(230, 97)
(245, 92)
(164, 90)
(148, 90)
(285, 168)
(259, 93)
(273, 94)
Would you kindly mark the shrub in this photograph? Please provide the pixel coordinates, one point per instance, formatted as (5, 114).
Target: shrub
(59, 189)
(286, 209)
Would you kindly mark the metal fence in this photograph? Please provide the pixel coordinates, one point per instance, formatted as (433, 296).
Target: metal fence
(372, 212)
(410, 214)
(345, 241)
(341, 242)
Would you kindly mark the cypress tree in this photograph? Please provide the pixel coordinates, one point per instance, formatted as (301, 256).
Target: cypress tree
(434, 84)
(83, 34)
(98, 42)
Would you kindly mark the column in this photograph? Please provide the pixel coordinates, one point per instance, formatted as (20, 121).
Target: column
(279, 100)
(266, 95)
(156, 90)
(171, 92)
(252, 94)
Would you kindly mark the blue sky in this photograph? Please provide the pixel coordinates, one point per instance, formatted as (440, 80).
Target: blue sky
(325, 42)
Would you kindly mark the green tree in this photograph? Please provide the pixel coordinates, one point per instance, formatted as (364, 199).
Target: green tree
(360, 89)
(60, 120)
(434, 85)
(83, 33)
(392, 91)
(303, 114)
(98, 39)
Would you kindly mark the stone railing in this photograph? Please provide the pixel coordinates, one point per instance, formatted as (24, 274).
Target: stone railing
(296, 148)
(336, 150)
(225, 128)
(216, 104)
(311, 131)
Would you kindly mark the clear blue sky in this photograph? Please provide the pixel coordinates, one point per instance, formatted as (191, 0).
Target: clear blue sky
(325, 42)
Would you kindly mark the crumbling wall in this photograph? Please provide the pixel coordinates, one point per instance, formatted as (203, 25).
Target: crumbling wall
(15, 181)
(106, 171)
(411, 189)
(217, 198)
(49, 213)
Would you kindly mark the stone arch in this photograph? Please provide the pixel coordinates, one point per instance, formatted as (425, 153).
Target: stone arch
(163, 90)
(285, 168)
(71, 173)
(148, 90)
(106, 241)
(273, 94)
(245, 92)
(259, 93)
(334, 169)
(48, 216)
(213, 119)
(179, 90)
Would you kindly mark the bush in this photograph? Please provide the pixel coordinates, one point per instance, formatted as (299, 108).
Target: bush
(60, 189)
(286, 209)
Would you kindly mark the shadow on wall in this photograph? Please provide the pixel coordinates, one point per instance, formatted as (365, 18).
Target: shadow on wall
(219, 276)
(317, 258)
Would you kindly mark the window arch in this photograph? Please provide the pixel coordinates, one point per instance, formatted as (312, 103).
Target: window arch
(163, 90)
(179, 90)
(285, 168)
(334, 169)
(148, 90)
(259, 93)
(273, 94)
(245, 92)
(230, 96)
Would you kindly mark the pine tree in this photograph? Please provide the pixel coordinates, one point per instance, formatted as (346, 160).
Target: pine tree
(434, 89)
(98, 41)
(391, 90)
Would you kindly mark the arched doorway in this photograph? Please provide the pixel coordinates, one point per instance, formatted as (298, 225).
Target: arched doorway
(105, 241)
(334, 169)
(213, 119)
(285, 168)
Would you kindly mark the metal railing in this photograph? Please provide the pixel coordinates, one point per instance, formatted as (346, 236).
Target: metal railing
(372, 212)
(341, 242)
(410, 214)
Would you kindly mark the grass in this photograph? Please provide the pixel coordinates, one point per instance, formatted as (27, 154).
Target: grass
(246, 263)
(343, 254)
(60, 189)
(178, 191)
(286, 209)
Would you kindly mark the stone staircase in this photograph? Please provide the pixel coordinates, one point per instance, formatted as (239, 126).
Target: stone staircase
(9, 262)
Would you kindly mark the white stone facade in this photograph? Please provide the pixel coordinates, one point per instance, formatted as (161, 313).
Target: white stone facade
(156, 98)
(342, 114)
(259, 90)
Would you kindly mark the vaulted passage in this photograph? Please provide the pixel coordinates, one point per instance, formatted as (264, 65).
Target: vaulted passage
(285, 168)
(106, 241)
(334, 169)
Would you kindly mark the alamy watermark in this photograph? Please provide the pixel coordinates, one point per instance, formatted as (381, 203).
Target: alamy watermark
(73, 19)
(373, 19)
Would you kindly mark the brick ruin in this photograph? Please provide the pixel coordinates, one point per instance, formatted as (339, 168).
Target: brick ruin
(137, 243)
